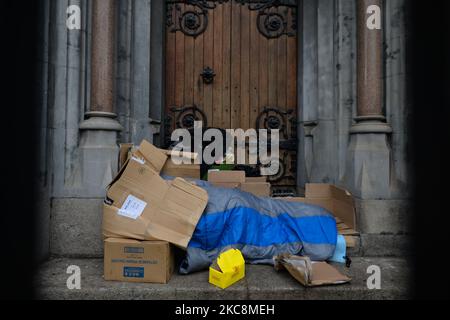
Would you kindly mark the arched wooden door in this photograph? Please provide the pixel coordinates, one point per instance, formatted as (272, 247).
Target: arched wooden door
(233, 64)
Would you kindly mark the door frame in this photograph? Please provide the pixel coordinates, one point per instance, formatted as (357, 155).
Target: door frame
(158, 80)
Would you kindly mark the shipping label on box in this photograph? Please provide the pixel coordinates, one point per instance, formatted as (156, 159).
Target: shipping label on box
(138, 261)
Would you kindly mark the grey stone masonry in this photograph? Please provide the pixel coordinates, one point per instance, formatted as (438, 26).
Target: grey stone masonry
(261, 282)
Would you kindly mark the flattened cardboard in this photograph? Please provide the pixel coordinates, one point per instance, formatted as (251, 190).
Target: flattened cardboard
(138, 261)
(338, 201)
(226, 177)
(172, 209)
(310, 274)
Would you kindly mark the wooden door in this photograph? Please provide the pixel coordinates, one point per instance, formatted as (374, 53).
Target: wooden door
(233, 64)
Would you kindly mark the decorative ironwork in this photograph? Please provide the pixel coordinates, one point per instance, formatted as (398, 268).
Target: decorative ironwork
(192, 19)
(208, 75)
(186, 116)
(285, 171)
(274, 24)
(272, 118)
(275, 119)
(182, 118)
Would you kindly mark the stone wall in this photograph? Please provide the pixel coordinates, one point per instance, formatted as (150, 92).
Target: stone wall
(71, 198)
(327, 107)
(73, 187)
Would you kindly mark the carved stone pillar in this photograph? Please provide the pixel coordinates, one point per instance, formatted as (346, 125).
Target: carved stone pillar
(98, 146)
(369, 167)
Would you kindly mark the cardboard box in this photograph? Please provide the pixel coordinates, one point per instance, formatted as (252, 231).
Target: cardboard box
(226, 176)
(138, 261)
(227, 269)
(141, 205)
(189, 171)
(228, 185)
(336, 200)
(260, 189)
(125, 150)
(236, 179)
(186, 155)
(256, 179)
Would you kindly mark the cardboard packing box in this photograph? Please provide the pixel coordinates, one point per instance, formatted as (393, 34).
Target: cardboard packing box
(256, 179)
(188, 171)
(226, 177)
(185, 170)
(228, 185)
(138, 261)
(125, 150)
(260, 189)
(141, 205)
(237, 179)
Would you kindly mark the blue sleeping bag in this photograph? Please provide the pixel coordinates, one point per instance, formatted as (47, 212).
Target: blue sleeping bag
(260, 228)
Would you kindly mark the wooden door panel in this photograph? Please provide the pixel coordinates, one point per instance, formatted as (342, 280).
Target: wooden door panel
(218, 28)
(226, 67)
(251, 47)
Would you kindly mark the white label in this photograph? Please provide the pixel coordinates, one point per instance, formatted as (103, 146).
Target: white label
(141, 161)
(132, 207)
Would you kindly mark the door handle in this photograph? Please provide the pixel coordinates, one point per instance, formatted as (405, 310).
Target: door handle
(208, 75)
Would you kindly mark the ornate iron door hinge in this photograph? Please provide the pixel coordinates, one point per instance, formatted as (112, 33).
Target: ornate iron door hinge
(193, 20)
(182, 118)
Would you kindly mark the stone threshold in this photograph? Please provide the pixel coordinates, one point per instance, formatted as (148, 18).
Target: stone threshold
(261, 282)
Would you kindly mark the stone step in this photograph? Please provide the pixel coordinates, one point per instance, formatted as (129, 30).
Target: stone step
(261, 282)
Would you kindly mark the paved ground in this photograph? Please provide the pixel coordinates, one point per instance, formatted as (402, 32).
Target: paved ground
(261, 282)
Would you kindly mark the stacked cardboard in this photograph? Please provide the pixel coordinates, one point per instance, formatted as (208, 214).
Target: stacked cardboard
(140, 205)
(144, 216)
(187, 169)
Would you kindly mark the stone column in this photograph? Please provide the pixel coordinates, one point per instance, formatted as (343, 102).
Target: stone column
(98, 146)
(370, 116)
(369, 167)
(102, 56)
